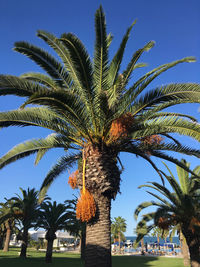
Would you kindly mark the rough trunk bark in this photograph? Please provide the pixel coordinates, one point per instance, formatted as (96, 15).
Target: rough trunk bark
(184, 250)
(98, 238)
(8, 236)
(24, 243)
(193, 242)
(119, 239)
(102, 179)
(48, 258)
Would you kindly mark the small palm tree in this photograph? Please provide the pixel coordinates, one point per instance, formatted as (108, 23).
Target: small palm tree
(52, 217)
(118, 227)
(7, 217)
(95, 111)
(26, 210)
(179, 207)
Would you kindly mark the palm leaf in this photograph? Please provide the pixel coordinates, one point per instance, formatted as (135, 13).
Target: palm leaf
(101, 53)
(62, 164)
(44, 60)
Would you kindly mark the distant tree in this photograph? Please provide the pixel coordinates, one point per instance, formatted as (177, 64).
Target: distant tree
(118, 227)
(8, 221)
(52, 217)
(27, 211)
(181, 206)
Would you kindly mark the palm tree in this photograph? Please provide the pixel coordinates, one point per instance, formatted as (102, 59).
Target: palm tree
(8, 219)
(180, 207)
(95, 113)
(52, 217)
(27, 211)
(118, 227)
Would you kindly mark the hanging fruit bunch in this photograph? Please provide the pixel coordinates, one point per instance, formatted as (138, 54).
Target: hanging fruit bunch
(73, 180)
(154, 139)
(18, 213)
(120, 127)
(164, 223)
(85, 208)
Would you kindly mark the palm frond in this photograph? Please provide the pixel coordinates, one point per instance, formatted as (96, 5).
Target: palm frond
(142, 206)
(101, 53)
(64, 54)
(41, 79)
(117, 59)
(127, 73)
(62, 164)
(12, 85)
(41, 117)
(41, 57)
(84, 69)
(33, 146)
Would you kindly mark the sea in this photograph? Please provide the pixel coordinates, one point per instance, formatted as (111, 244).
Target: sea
(150, 239)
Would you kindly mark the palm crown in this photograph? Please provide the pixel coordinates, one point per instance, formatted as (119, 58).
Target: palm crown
(89, 103)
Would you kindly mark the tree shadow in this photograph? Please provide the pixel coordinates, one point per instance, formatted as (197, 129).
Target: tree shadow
(131, 261)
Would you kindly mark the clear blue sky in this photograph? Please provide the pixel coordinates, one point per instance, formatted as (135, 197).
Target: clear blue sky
(174, 25)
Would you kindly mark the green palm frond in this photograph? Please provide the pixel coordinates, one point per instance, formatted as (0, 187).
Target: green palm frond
(41, 79)
(81, 61)
(164, 201)
(42, 117)
(127, 73)
(45, 60)
(33, 146)
(117, 59)
(70, 108)
(167, 114)
(142, 206)
(186, 92)
(62, 165)
(169, 125)
(101, 53)
(12, 85)
(145, 80)
(162, 155)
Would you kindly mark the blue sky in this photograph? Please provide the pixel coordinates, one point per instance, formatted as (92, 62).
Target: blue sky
(174, 25)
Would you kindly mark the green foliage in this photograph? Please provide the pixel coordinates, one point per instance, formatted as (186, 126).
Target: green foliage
(78, 99)
(176, 207)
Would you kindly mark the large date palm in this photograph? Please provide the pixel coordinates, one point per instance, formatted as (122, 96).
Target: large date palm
(95, 114)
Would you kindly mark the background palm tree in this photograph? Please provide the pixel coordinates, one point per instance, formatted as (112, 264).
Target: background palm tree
(53, 217)
(180, 207)
(118, 228)
(27, 211)
(95, 113)
(8, 220)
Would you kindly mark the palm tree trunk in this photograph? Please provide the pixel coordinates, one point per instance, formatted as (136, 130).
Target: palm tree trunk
(184, 250)
(83, 240)
(142, 244)
(98, 240)
(8, 236)
(119, 239)
(24, 243)
(48, 258)
(193, 242)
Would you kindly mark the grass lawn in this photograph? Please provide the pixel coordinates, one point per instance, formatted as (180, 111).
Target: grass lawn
(36, 259)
